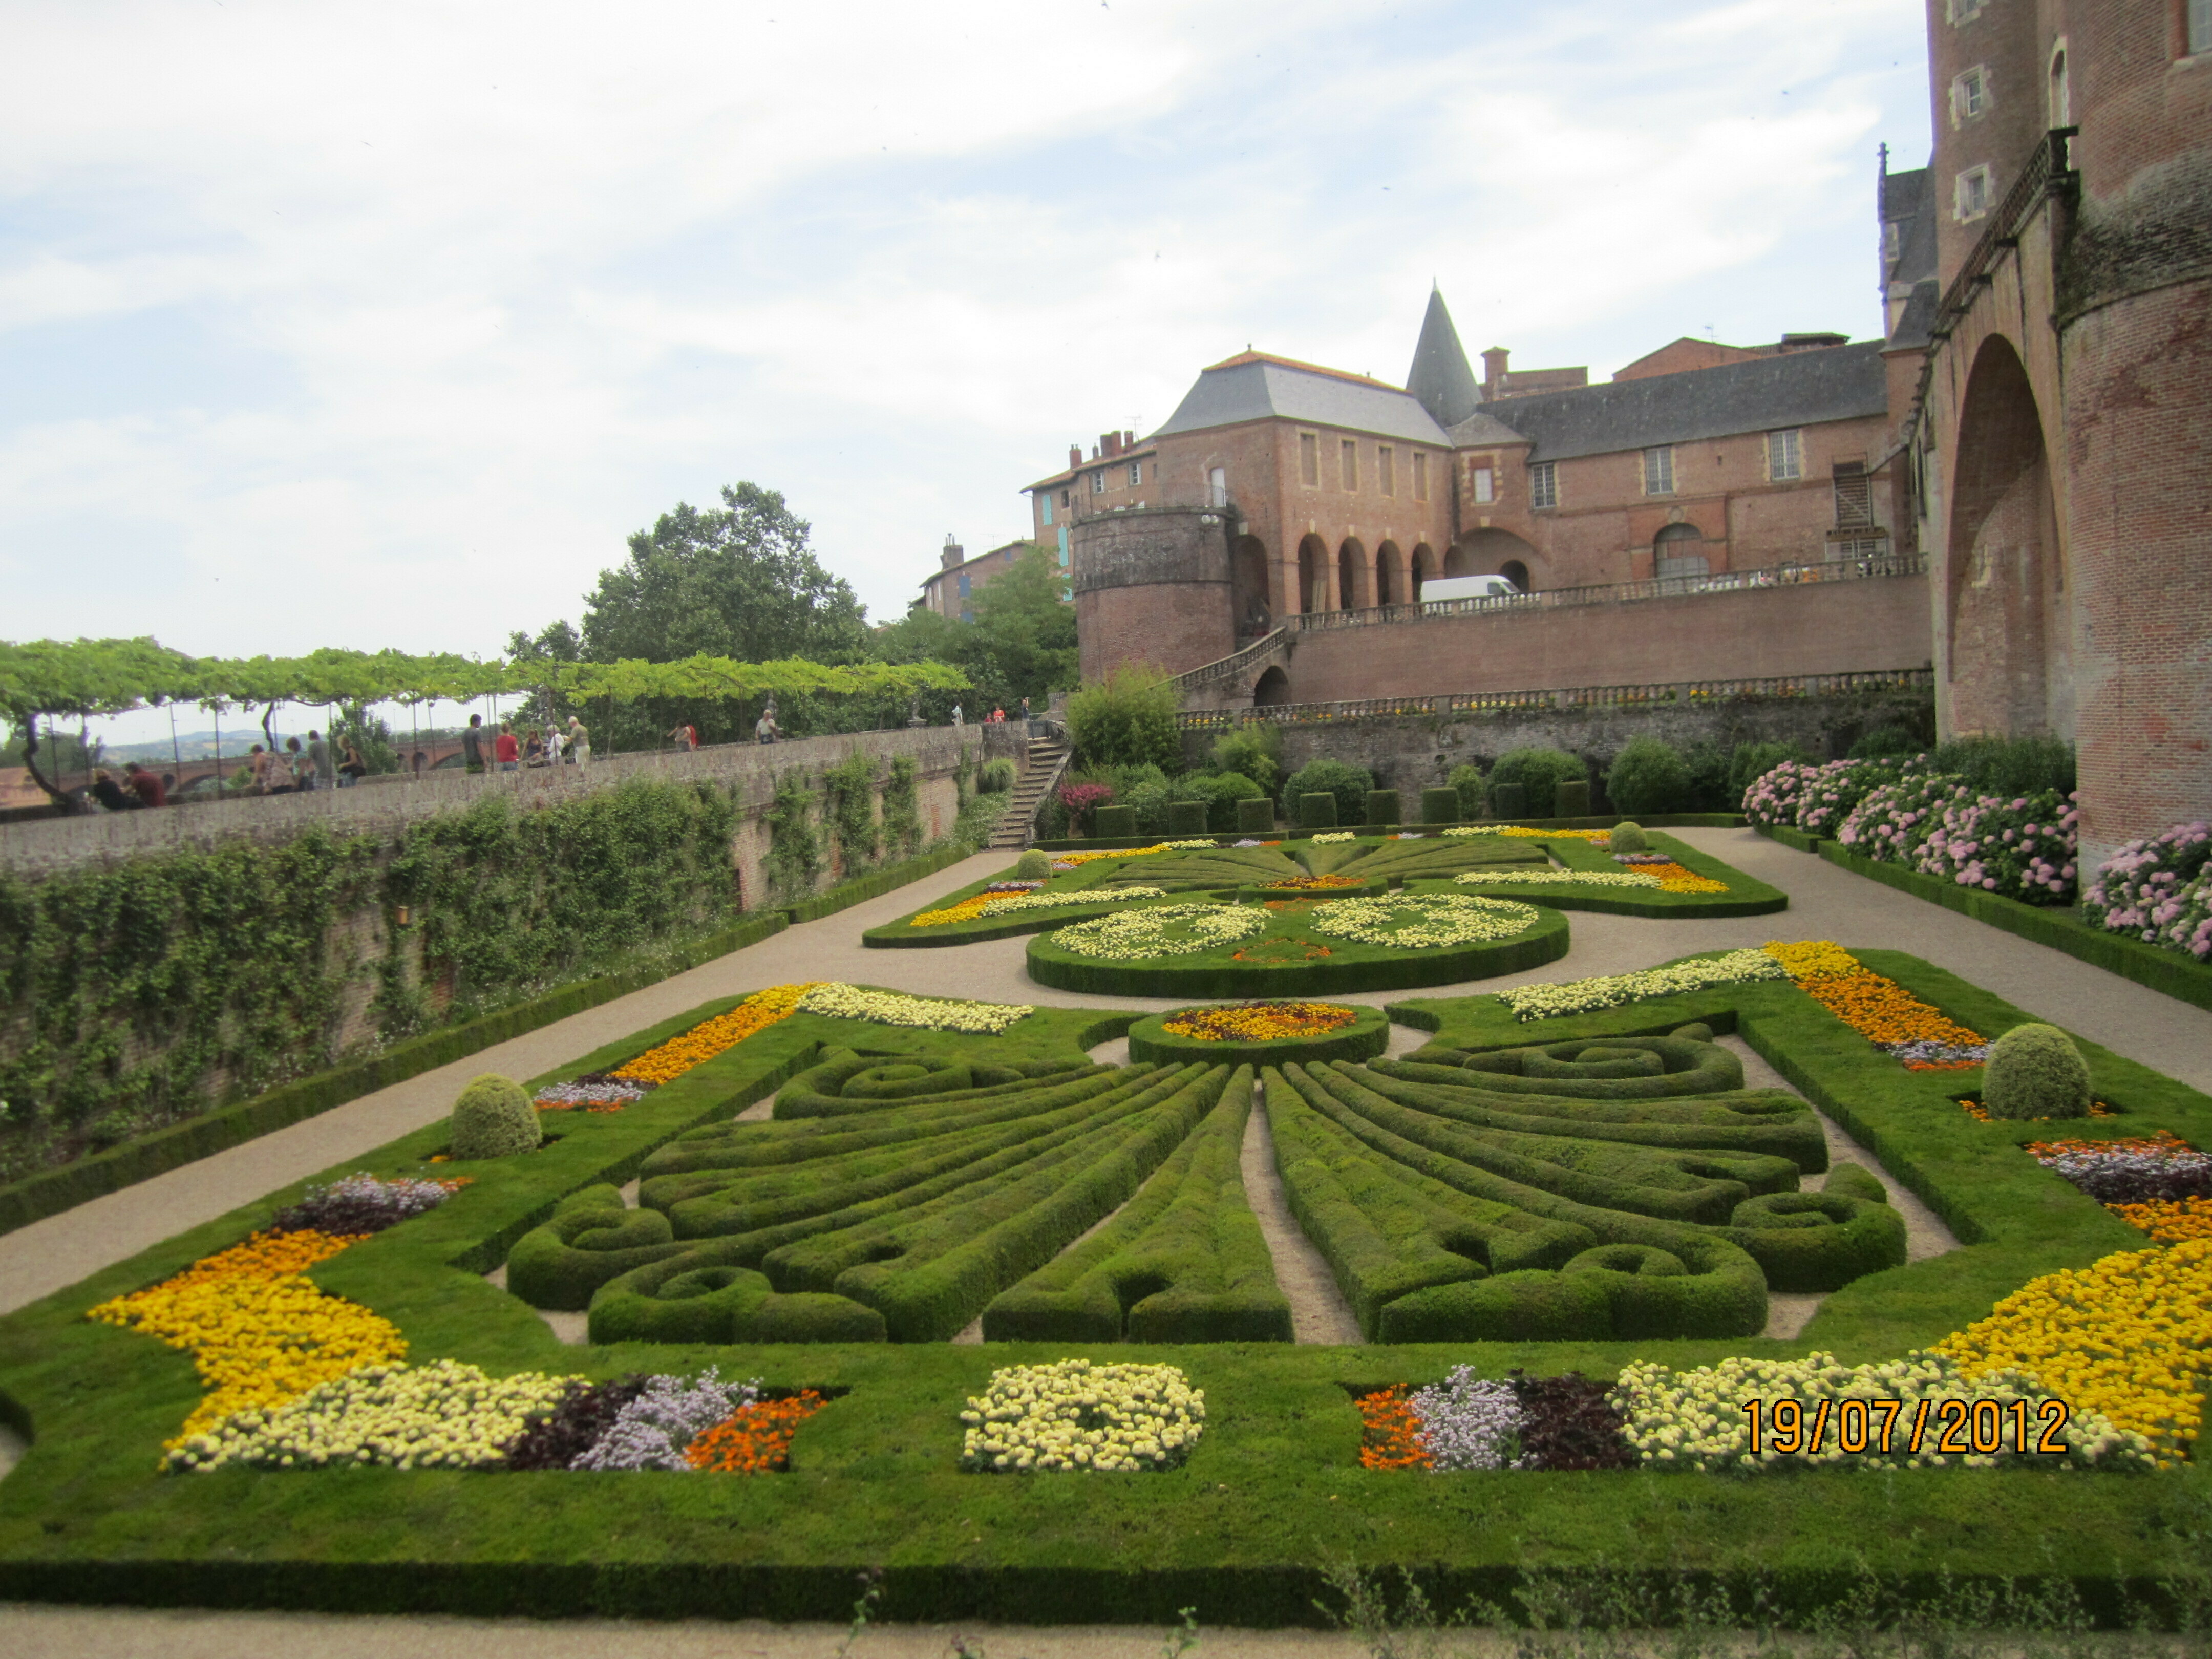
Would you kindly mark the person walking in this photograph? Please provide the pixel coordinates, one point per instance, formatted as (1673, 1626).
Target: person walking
(505, 750)
(144, 785)
(351, 768)
(263, 765)
(684, 736)
(472, 744)
(552, 743)
(957, 717)
(296, 764)
(324, 773)
(580, 741)
(1028, 719)
(764, 728)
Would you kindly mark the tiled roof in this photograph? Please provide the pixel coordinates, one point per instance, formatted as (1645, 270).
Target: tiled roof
(1440, 380)
(1254, 387)
(1798, 388)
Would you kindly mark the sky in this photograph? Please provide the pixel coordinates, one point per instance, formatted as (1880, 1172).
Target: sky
(386, 324)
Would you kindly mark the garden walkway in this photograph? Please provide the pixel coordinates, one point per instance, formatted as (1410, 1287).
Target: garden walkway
(1825, 902)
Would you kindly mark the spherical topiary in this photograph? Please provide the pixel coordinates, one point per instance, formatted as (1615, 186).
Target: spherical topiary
(493, 1118)
(1036, 865)
(2035, 1071)
(1628, 837)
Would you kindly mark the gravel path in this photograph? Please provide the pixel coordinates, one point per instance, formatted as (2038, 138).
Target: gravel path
(1319, 1312)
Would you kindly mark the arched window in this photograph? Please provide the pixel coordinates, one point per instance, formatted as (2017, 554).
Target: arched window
(2062, 96)
(1681, 551)
(1516, 573)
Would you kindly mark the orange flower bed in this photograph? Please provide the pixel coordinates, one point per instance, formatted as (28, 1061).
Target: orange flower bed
(2164, 1144)
(1314, 883)
(754, 1439)
(1677, 878)
(1390, 1434)
(1279, 952)
(711, 1037)
(1882, 1011)
(1980, 1114)
(2168, 1220)
(1261, 1022)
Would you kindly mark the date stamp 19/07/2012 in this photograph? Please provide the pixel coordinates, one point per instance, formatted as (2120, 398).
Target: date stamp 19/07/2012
(1883, 1427)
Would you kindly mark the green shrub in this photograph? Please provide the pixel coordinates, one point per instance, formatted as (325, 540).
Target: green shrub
(2034, 1072)
(1508, 801)
(1218, 793)
(998, 777)
(1035, 865)
(1708, 764)
(1466, 782)
(2009, 766)
(1254, 752)
(1113, 823)
(1128, 718)
(1186, 819)
(1255, 818)
(1627, 837)
(1382, 807)
(1885, 743)
(1349, 784)
(1443, 805)
(1572, 798)
(1537, 774)
(1750, 761)
(493, 1118)
(1648, 775)
(1317, 810)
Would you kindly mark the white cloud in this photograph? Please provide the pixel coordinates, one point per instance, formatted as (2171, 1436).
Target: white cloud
(375, 325)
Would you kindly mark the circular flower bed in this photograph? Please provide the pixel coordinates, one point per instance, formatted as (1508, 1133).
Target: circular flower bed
(1162, 930)
(1420, 921)
(1259, 1033)
(1314, 883)
(1075, 1415)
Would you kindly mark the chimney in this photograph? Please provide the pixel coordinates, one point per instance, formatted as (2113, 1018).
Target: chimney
(1109, 445)
(1493, 370)
(953, 554)
(1128, 441)
(1074, 455)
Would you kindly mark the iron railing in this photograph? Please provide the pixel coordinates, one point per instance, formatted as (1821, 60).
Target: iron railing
(1581, 696)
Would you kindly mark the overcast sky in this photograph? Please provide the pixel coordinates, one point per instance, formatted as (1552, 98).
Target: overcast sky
(384, 324)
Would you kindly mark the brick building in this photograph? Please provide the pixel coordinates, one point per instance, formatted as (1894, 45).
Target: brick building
(949, 589)
(1280, 489)
(2052, 361)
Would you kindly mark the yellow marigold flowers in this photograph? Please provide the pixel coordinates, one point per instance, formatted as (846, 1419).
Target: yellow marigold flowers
(836, 1000)
(2130, 1337)
(1679, 878)
(1812, 958)
(710, 1037)
(2169, 1220)
(1261, 1022)
(260, 1332)
(999, 904)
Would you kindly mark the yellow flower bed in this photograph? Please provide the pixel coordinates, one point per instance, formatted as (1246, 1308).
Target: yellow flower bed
(1677, 878)
(260, 1332)
(1604, 836)
(1812, 958)
(1000, 904)
(2129, 1337)
(710, 1037)
(1118, 852)
(1261, 1022)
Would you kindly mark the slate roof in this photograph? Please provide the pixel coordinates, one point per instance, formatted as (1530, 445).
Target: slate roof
(1440, 380)
(1479, 430)
(1253, 386)
(1801, 388)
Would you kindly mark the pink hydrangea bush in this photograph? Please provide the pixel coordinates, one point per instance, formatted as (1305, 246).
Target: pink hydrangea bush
(1892, 822)
(2158, 889)
(1774, 797)
(1815, 799)
(2022, 848)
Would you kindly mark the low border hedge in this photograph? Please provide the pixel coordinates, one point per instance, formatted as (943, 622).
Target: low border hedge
(1349, 968)
(1791, 835)
(1746, 896)
(2168, 972)
(1151, 1044)
(1291, 832)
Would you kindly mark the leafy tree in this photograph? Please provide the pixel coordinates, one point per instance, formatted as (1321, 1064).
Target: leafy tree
(1021, 644)
(1648, 775)
(1254, 751)
(1128, 718)
(1349, 784)
(1539, 772)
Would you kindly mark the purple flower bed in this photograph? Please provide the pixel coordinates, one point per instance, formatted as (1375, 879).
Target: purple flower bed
(594, 1089)
(651, 1430)
(1013, 886)
(2159, 889)
(2131, 1171)
(1925, 1053)
(1642, 858)
(1469, 1423)
(579, 1423)
(360, 1204)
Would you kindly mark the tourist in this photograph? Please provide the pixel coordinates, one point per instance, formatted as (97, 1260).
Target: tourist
(472, 743)
(323, 764)
(505, 750)
(684, 736)
(148, 788)
(552, 743)
(533, 752)
(957, 717)
(262, 766)
(420, 761)
(109, 794)
(1026, 716)
(580, 741)
(298, 767)
(764, 728)
(351, 768)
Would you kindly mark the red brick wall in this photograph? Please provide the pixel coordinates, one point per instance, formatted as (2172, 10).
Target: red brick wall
(1828, 628)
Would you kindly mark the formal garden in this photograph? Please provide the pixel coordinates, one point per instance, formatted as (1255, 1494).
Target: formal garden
(949, 1290)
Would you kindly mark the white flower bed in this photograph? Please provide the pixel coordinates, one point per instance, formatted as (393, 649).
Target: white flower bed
(841, 1002)
(1075, 1415)
(1570, 878)
(445, 1415)
(1061, 901)
(1334, 835)
(1696, 1419)
(1422, 921)
(1208, 845)
(1580, 996)
(1133, 934)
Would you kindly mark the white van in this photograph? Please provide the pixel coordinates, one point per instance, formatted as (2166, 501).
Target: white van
(1440, 589)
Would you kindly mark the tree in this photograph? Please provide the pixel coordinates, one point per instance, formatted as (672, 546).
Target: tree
(1021, 644)
(1128, 720)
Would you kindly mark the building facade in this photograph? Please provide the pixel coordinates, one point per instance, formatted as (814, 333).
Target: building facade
(951, 589)
(2054, 368)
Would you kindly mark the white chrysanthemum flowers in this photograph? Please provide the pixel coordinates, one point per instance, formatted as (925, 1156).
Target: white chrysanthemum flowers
(1074, 1415)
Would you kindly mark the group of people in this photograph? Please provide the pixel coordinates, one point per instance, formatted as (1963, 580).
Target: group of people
(139, 788)
(996, 717)
(297, 768)
(484, 750)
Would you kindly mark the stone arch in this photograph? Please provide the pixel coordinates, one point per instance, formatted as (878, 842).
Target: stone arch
(1487, 552)
(1679, 550)
(1248, 579)
(1423, 569)
(1390, 575)
(1516, 573)
(1272, 689)
(2002, 550)
(1313, 576)
(1352, 593)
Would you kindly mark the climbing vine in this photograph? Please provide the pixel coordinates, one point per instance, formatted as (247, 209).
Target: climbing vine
(852, 811)
(793, 863)
(902, 808)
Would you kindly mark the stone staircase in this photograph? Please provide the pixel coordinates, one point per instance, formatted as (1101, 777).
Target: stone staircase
(1047, 761)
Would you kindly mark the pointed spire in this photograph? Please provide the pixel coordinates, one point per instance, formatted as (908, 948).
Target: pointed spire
(1440, 379)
